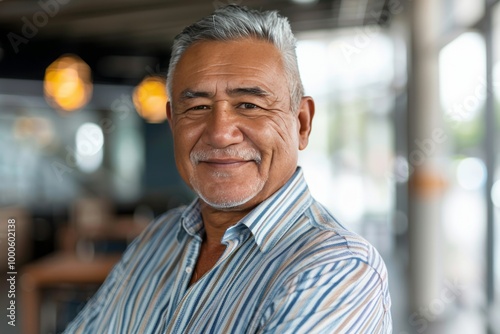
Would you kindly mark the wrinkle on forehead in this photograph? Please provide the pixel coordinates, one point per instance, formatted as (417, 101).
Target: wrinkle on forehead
(207, 55)
(237, 91)
(225, 69)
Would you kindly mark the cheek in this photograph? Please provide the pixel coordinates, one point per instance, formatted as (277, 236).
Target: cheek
(282, 132)
(275, 138)
(185, 138)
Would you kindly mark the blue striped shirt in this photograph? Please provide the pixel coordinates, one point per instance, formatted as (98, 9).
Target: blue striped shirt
(288, 267)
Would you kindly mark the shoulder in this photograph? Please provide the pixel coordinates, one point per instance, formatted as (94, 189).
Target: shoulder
(331, 257)
(327, 246)
(338, 239)
(163, 224)
(159, 231)
(165, 220)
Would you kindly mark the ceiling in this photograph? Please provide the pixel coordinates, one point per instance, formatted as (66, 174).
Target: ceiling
(31, 29)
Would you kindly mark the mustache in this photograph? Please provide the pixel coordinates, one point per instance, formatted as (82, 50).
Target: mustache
(247, 154)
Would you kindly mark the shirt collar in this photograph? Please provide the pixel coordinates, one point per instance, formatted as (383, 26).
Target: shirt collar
(272, 218)
(268, 222)
(191, 222)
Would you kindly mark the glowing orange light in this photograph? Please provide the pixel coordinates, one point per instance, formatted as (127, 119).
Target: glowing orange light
(67, 85)
(37, 129)
(150, 98)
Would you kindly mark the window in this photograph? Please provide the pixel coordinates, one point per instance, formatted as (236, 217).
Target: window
(351, 74)
(462, 65)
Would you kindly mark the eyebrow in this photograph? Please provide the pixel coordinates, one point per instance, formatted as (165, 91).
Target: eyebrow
(255, 91)
(191, 94)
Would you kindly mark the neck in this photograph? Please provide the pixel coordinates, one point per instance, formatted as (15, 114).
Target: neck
(216, 222)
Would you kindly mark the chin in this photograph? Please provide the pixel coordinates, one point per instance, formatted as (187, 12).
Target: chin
(226, 204)
(222, 198)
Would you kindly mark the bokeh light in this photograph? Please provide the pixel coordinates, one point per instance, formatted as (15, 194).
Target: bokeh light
(471, 173)
(89, 147)
(68, 83)
(38, 130)
(150, 99)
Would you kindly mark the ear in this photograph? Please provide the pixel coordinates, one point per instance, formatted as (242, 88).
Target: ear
(169, 113)
(305, 116)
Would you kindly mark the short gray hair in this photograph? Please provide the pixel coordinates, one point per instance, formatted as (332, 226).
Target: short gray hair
(234, 22)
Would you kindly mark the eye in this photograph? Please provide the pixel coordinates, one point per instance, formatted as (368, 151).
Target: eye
(197, 109)
(200, 107)
(247, 105)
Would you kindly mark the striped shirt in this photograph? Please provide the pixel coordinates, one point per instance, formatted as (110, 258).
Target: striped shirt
(288, 267)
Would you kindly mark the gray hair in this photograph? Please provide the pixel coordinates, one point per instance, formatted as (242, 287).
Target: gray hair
(234, 22)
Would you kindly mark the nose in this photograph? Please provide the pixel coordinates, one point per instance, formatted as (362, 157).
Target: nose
(222, 127)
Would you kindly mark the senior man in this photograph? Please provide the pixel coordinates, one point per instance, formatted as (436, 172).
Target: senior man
(254, 253)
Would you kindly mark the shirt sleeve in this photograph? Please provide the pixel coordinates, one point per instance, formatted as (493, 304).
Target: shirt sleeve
(345, 297)
(100, 311)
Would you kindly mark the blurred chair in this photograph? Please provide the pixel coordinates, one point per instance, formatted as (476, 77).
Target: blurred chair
(57, 286)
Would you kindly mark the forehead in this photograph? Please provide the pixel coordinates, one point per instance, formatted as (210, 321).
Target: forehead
(247, 60)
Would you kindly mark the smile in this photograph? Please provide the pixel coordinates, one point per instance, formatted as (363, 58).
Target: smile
(225, 163)
(227, 157)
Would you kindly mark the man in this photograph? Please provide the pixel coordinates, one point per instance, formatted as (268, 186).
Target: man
(255, 253)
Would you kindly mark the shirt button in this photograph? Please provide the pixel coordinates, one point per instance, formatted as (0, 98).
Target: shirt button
(189, 270)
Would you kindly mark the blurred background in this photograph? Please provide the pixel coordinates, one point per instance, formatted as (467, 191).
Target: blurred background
(404, 148)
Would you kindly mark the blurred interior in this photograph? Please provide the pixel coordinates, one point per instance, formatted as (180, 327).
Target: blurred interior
(404, 148)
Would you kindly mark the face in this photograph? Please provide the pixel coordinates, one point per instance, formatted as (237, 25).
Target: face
(236, 140)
